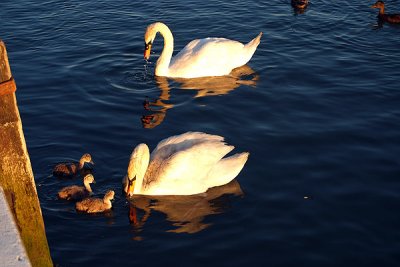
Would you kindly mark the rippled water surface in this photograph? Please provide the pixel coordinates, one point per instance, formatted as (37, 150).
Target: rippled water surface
(317, 107)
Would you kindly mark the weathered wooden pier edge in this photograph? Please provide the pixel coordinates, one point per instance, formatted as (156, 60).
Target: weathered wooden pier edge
(16, 176)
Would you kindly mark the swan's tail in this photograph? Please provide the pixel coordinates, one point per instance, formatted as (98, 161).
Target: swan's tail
(249, 49)
(227, 169)
(254, 43)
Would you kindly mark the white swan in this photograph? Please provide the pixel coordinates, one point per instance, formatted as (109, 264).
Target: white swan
(199, 58)
(184, 164)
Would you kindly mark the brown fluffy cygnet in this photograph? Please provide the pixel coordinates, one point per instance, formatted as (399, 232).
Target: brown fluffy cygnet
(94, 205)
(75, 192)
(70, 169)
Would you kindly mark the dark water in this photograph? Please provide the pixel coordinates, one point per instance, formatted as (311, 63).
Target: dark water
(319, 114)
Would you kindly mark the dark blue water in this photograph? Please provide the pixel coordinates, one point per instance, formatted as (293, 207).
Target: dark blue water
(319, 112)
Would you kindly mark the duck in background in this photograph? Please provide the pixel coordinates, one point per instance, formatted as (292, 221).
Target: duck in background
(299, 6)
(75, 192)
(71, 169)
(96, 205)
(391, 18)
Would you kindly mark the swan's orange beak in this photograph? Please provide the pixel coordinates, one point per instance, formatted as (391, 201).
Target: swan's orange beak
(147, 49)
(131, 186)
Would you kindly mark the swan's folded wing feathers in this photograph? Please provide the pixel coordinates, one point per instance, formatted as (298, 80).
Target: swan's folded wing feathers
(213, 56)
(177, 140)
(187, 169)
(226, 169)
(194, 162)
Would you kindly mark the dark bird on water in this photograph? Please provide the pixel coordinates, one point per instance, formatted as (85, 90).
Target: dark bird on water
(75, 192)
(95, 205)
(391, 18)
(299, 4)
(71, 169)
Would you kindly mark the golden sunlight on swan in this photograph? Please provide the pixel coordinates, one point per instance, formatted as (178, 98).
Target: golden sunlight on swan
(184, 164)
(75, 192)
(95, 205)
(199, 58)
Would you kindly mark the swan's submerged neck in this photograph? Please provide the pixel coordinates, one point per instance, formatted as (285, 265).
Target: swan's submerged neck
(166, 55)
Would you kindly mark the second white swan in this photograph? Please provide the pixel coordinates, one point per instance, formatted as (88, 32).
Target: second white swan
(184, 164)
(199, 58)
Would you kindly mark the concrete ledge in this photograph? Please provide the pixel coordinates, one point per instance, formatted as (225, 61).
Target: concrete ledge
(12, 251)
(18, 183)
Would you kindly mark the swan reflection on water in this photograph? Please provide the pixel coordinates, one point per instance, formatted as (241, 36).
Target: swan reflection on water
(205, 86)
(185, 213)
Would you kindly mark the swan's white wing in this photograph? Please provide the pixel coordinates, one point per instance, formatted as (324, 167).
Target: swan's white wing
(226, 169)
(184, 172)
(183, 141)
(208, 57)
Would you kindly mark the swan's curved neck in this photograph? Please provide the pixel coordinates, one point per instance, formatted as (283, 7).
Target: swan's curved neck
(139, 182)
(137, 167)
(166, 55)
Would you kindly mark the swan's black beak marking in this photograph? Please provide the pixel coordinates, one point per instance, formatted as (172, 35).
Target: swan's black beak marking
(130, 181)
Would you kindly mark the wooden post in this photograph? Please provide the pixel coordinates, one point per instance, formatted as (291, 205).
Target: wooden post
(16, 176)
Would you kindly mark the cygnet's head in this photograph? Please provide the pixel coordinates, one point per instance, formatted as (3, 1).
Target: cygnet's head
(378, 4)
(89, 179)
(109, 195)
(86, 158)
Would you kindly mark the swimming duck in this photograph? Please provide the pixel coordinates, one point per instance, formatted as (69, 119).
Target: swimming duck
(199, 58)
(391, 18)
(70, 169)
(75, 192)
(95, 205)
(299, 4)
(184, 164)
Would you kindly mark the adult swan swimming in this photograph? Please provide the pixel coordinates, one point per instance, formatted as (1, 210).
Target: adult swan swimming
(184, 164)
(199, 58)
